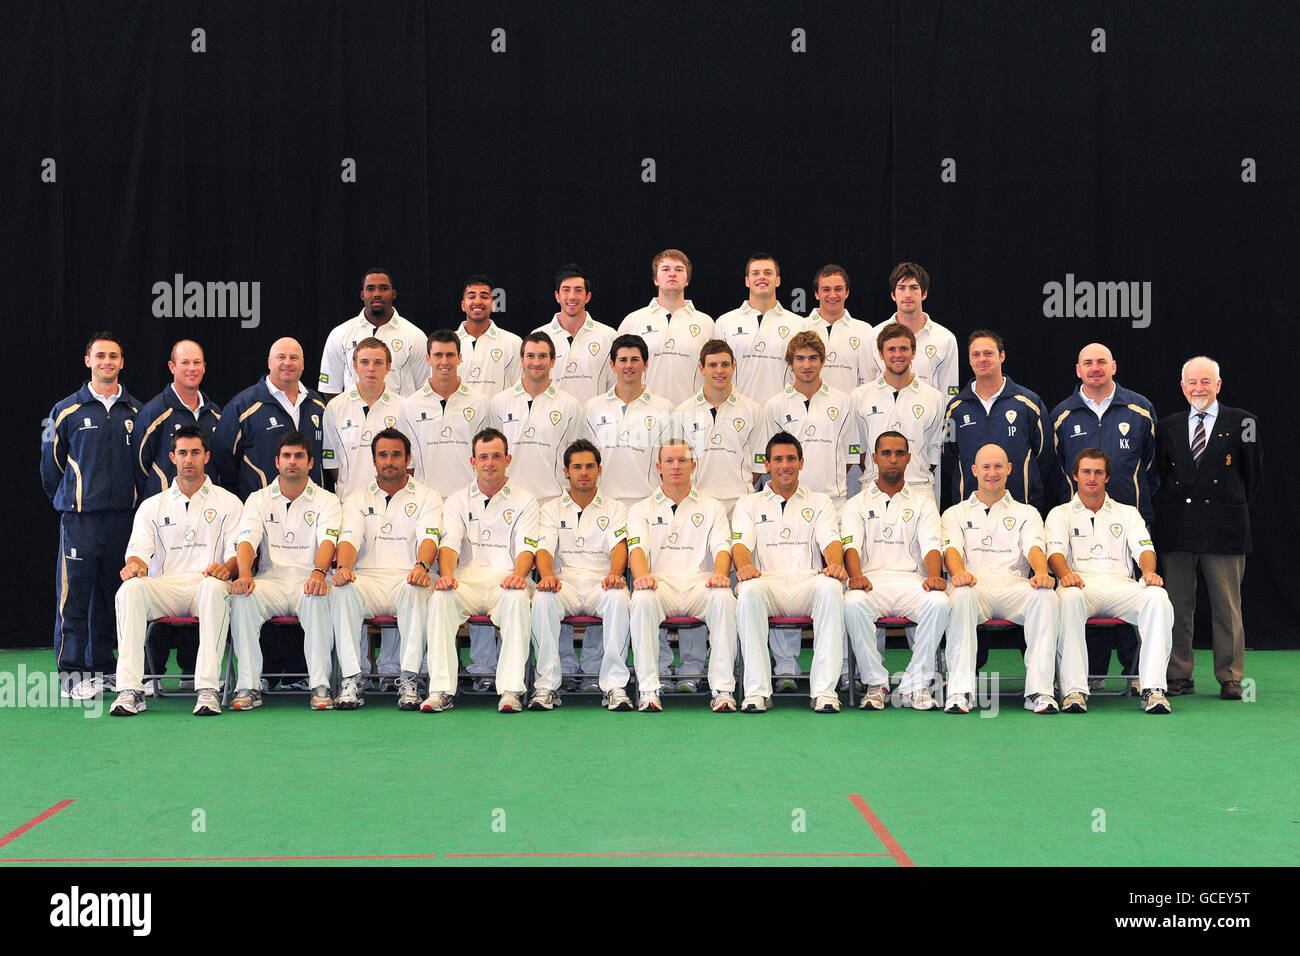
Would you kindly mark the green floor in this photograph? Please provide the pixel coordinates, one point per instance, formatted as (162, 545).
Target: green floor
(1215, 783)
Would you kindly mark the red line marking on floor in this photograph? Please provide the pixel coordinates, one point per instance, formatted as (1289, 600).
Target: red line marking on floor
(219, 859)
(15, 834)
(881, 831)
(505, 856)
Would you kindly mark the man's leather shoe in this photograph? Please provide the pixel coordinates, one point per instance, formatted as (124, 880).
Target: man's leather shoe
(1230, 690)
(1179, 686)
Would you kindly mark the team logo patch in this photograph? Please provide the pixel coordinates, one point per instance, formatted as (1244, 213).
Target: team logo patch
(855, 449)
(433, 531)
(469, 414)
(833, 413)
(735, 536)
(555, 418)
(602, 522)
(697, 519)
(807, 514)
(397, 345)
(210, 515)
(594, 348)
(1123, 428)
(1008, 523)
(632, 541)
(509, 515)
(739, 423)
(650, 422)
(1116, 530)
(907, 514)
(783, 331)
(854, 342)
(410, 508)
(387, 528)
(496, 355)
(309, 517)
(695, 330)
(1011, 416)
(532, 542)
(446, 431)
(390, 421)
(847, 539)
(129, 425)
(929, 351)
(315, 420)
(918, 410)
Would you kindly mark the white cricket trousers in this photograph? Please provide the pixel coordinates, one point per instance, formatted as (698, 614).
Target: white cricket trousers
(580, 594)
(896, 594)
(478, 591)
(1011, 599)
(379, 594)
(141, 600)
(684, 594)
(278, 593)
(1110, 595)
(791, 594)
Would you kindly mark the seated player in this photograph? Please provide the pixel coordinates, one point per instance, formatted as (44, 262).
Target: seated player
(991, 542)
(781, 536)
(387, 547)
(581, 557)
(891, 552)
(1093, 542)
(678, 550)
(178, 564)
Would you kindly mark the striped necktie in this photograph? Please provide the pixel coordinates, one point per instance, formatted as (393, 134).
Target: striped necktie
(1198, 439)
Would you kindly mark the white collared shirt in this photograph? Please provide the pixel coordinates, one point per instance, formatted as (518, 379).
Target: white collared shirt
(988, 402)
(582, 539)
(1098, 408)
(850, 351)
(759, 340)
(348, 432)
(994, 542)
(581, 363)
(1108, 542)
(387, 533)
(108, 400)
(490, 535)
(891, 534)
(282, 398)
(729, 446)
(288, 533)
(826, 428)
(785, 535)
(193, 411)
(674, 342)
(174, 534)
(538, 430)
(490, 363)
(937, 361)
(628, 437)
(916, 413)
(404, 339)
(441, 432)
(687, 538)
(1211, 414)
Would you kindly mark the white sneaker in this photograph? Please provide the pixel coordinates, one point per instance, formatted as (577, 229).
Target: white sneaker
(957, 704)
(88, 689)
(617, 699)
(350, 694)
(246, 700)
(544, 700)
(826, 704)
(724, 702)
(128, 704)
(754, 704)
(786, 685)
(649, 702)
(509, 703)
(207, 705)
(436, 703)
(1075, 703)
(1041, 704)
(921, 699)
(875, 697)
(408, 698)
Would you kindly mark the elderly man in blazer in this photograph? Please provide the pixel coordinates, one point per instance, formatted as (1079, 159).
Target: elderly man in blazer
(1209, 460)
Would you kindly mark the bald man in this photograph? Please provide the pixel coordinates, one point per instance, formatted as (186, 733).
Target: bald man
(256, 418)
(1103, 414)
(995, 552)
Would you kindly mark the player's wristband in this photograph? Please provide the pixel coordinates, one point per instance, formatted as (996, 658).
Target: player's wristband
(424, 564)
(323, 574)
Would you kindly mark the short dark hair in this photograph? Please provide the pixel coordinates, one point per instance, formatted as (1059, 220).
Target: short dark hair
(986, 334)
(909, 270)
(378, 271)
(783, 438)
(572, 271)
(294, 439)
(445, 336)
(891, 434)
(105, 336)
(475, 279)
(489, 434)
(580, 445)
(539, 337)
(894, 330)
(1090, 453)
(831, 269)
(191, 431)
(762, 255)
(628, 342)
(716, 347)
(394, 434)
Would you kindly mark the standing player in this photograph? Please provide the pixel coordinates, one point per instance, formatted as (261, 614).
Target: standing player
(387, 547)
(990, 543)
(248, 435)
(850, 344)
(179, 563)
(581, 557)
(937, 358)
(88, 473)
(1093, 542)
(678, 542)
(490, 354)
(489, 541)
(378, 320)
(581, 343)
(538, 420)
(992, 408)
(672, 328)
(291, 527)
(899, 401)
(759, 330)
(179, 404)
(892, 533)
(782, 536)
(355, 417)
(441, 419)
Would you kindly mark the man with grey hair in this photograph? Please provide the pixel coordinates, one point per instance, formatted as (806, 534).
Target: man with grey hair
(1210, 464)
